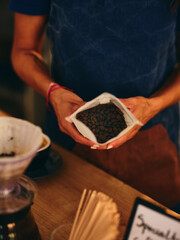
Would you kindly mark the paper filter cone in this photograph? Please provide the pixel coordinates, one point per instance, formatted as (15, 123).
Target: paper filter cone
(23, 139)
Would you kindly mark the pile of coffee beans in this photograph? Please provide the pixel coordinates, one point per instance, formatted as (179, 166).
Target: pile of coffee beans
(104, 120)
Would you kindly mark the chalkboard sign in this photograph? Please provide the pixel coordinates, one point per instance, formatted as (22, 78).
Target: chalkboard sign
(149, 222)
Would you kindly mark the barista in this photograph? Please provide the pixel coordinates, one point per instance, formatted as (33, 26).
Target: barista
(127, 48)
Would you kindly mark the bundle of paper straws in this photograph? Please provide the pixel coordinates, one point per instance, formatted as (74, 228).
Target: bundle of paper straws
(97, 218)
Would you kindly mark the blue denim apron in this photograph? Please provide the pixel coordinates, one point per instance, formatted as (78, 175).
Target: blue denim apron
(125, 47)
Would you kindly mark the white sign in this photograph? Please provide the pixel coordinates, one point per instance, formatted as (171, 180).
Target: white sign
(149, 222)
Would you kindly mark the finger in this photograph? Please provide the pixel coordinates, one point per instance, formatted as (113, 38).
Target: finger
(116, 143)
(80, 139)
(72, 131)
(99, 147)
(120, 141)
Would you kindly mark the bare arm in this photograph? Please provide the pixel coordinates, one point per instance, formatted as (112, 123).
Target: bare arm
(27, 61)
(29, 32)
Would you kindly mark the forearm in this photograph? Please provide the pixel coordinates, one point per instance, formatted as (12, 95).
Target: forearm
(168, 94)
(32, 69)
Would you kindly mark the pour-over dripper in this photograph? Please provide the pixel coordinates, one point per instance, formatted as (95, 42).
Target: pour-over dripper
(23, 139)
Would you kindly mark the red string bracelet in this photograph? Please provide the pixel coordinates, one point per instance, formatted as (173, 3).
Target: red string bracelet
(53, 86)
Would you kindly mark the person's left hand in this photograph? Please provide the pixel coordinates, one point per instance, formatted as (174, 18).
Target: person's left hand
(142, 109)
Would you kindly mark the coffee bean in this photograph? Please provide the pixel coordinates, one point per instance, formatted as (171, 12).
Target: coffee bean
(106, 121)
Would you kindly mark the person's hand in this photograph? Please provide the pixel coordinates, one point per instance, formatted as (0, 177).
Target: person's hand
(64, 103)
(142, 109)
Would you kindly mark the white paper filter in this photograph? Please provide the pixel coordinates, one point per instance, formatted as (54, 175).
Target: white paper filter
(21, 137)
(102, 99)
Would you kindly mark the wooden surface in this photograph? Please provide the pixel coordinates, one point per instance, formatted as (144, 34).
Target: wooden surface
(59, 194)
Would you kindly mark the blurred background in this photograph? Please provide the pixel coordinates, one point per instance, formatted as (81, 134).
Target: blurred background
(16, 98)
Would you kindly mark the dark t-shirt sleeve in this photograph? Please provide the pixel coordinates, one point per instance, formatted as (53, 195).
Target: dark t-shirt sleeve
(30, 7)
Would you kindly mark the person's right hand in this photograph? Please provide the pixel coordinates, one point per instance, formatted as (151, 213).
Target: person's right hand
(64, 103)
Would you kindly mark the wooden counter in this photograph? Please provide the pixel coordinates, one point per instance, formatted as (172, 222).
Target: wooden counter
(59, 194)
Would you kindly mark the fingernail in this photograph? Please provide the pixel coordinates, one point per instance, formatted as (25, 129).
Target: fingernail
(94, 146)
(109, 147)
